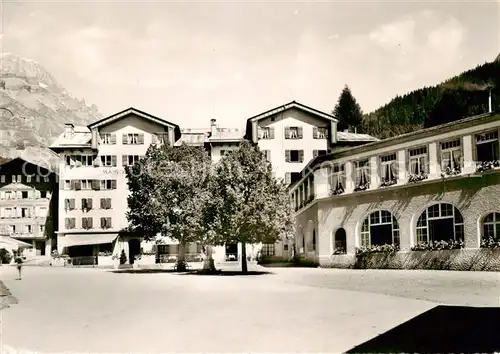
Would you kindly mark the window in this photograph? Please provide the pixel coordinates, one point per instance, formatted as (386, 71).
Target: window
(130, 160)
(8, 212)
(2, 179)
(25, 212)
(42, 229)
(70, 223)
(24, 194)
(491, 226)
(14, 179)
(28, 179)
(87, 160)
(86, 184)
(362, 175)
(294, 155)
(87, 223)
(451, 155)
(133, 139)
(27, 229)
(293, 132)
(267, 155)
(317, 153)
(19, 178)
(105, 223)
(86, 204)
(288, 178)
(46, 179)
(320, 133)
(108, 160)
(43, 194)
(268, 249)
(338, 178)
(160, 138)
(418, 161)
(67, 184)
(108, 139)
(12, 229)
(69, 204)
(108, 184)
(440, 222)
(340, 242)
(388, 170)
(266, 133)
(487, 147)
(380, 228)
(105, 203)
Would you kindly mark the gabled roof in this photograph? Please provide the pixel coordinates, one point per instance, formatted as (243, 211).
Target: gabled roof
(290, 105)
(42, 169)
(226, 135)
(139, 113)
(81, 138)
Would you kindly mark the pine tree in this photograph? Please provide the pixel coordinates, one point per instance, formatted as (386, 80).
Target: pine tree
(347, 111)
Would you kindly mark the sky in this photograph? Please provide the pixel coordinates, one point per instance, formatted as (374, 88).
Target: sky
(188, 62)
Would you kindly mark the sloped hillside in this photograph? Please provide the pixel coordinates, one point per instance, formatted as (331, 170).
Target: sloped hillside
(459, 97)
(34, 108)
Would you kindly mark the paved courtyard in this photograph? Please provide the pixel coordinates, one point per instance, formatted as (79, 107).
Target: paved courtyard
(292, 310)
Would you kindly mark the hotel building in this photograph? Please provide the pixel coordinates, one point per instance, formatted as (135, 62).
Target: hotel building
(435, 184)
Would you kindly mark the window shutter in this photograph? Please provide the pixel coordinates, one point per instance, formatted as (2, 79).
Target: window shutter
(271, 132)
(268, 155)
(300, 132)
(141, 139)
(73, 223)
(124, 160)
(108, 223)
(315, 153)
(113, 184)
(89, 203)
(84, 223)
(108, 203)
(78, 185)
(315, 132)
(71, 204)
(260, 133)
(103, 223)
(113, 160)
(66, 223)
(287, 177)
(72, 184)
(287, 155)
(102, 203)
(84, 203)
(287, 132)
(90, 223)
(124, 139)
(301, 155)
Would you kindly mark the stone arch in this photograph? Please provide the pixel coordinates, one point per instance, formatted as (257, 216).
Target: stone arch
(377, 228)
(438, 221)
(488, 225)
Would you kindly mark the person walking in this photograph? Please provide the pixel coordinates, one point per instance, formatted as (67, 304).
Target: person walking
(19, 261)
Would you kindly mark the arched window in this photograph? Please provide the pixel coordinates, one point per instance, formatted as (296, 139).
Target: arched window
(491, 226)
(379, 228)
(340, 241)
(440, 222)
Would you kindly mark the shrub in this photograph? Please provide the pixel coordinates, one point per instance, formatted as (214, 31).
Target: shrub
(377, 249)
(438, 245)
(5, 256)
(490, 242)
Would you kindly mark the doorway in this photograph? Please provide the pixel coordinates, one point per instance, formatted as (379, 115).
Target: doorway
(134, 248)
(232, 252)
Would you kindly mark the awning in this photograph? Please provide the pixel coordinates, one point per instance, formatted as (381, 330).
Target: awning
(7, 241)
(87, 239)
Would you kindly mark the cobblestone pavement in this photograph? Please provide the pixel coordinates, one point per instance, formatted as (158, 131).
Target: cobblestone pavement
(292, 310)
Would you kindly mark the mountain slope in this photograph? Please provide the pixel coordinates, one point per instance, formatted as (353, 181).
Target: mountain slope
(34, 108)
(461, 96)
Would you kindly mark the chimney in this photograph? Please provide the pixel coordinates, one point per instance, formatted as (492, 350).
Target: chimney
(490, 109)
(213, 127)
(69, 130)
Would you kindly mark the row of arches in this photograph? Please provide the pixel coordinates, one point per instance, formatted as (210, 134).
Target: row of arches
(439, 222)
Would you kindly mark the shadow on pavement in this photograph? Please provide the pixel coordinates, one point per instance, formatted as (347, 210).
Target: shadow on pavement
(142, 271)
(442, 329)
(6, 297)
(227, 273)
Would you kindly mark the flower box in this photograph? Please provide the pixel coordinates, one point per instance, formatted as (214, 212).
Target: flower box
(414, 177)
(487, 165)
(450, 172)
(438, 245)
(362, 187)
(337, 191)
(490, 242)
(387, 183)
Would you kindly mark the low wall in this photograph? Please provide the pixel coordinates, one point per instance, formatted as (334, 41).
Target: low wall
(483, 259)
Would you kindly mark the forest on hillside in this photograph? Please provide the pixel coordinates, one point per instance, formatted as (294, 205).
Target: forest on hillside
(461, 96)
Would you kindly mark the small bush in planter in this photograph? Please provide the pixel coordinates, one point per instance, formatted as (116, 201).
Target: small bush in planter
(123, 257)
(5, 256)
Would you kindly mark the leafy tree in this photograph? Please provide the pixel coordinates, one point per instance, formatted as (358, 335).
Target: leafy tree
(347, 110)
(169, 190)
(248, 204)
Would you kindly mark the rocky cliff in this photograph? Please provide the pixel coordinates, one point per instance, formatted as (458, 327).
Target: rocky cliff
(34, 108)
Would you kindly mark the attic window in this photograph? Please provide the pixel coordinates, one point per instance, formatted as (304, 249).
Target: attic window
(273, 118)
